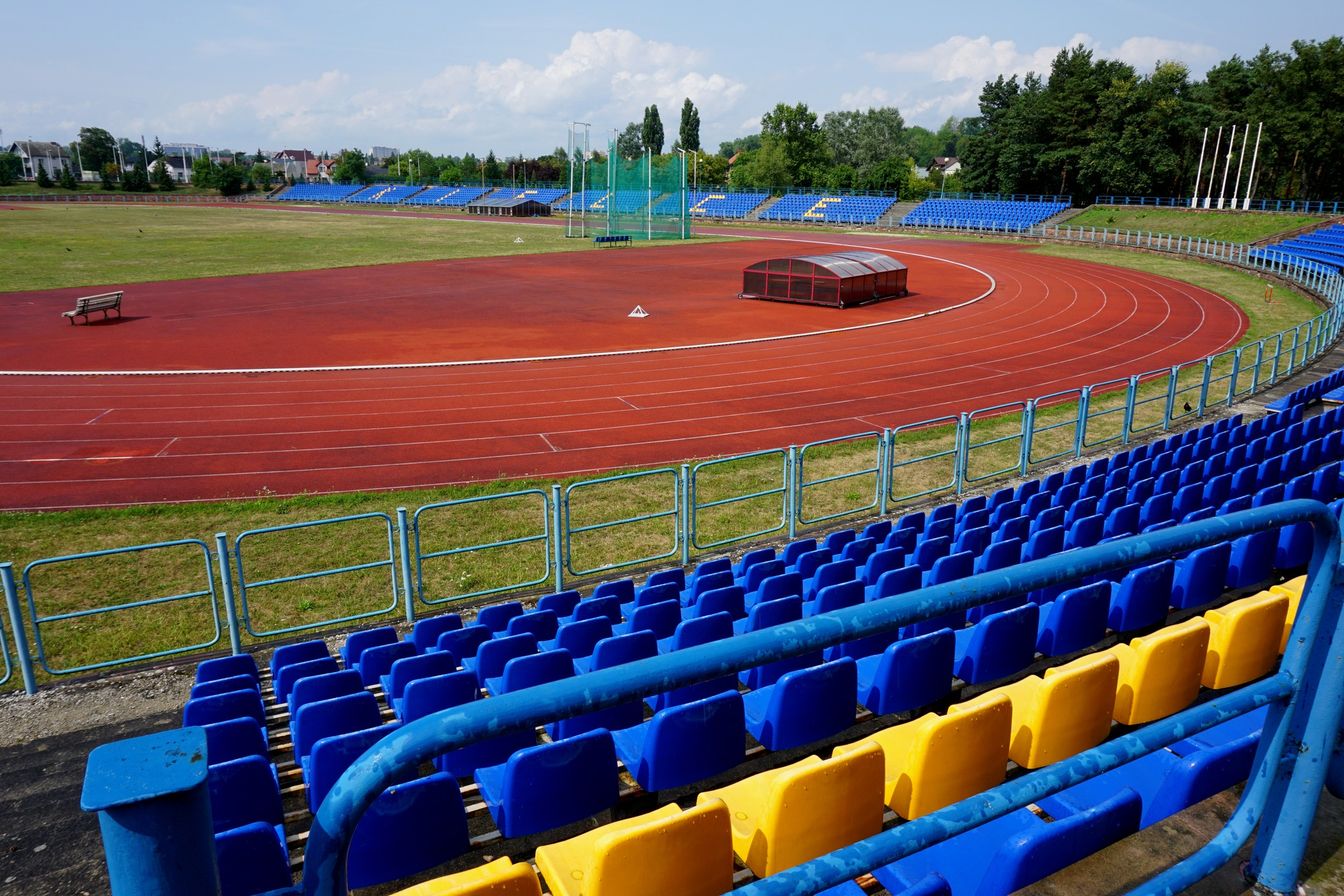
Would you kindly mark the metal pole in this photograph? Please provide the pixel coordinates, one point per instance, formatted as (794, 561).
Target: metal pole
(1213, 170)
(1250, 178)
(1194, 200)
(404, 546)
(1241, 157)
(226, 582)
(1226, 165)
(16, 626)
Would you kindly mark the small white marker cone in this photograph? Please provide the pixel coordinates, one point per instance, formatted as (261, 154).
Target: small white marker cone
(517, 239)
(639, 312)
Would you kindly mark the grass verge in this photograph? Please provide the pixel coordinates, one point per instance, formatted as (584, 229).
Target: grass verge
(1236, 227)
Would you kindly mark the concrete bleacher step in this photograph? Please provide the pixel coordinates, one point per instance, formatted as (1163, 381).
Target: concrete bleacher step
(755, 214)
(1062, 217)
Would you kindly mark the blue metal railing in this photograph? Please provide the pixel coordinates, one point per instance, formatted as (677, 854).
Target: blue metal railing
(206, 593)
(543, 537)
(1000, 414)
(1288, 773)
(243, 585)
(673, 512)
(940, 472)
(1035, 430)
(952, 457)
(694, 505)
(802, 483)
(4, 652)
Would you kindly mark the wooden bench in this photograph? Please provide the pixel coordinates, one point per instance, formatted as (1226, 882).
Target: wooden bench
(86, 305)
(615, 239)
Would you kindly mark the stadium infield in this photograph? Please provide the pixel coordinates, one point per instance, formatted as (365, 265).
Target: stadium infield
(743, 376)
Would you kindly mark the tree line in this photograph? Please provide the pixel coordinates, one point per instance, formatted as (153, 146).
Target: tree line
(1096, 126)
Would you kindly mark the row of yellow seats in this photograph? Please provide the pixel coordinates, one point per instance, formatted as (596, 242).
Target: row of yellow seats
(783, 817)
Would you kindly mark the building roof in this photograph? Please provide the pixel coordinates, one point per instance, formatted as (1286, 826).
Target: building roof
(295, 155)
(31, 148)
(503, 202)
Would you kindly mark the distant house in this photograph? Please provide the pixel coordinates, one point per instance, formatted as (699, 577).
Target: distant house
(318, 171)
(945, 165)
(47, 155)
(174, 164)
(293, 163)
(380, 155)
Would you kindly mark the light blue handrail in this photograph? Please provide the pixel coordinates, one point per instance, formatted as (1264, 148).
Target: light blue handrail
(1288, 779)
(206, 592)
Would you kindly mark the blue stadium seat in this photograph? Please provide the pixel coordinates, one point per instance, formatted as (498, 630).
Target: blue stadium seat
(803, 706)
(226, 667)
(910, 673)
(549, 785)
(686, 743)
(234, 739)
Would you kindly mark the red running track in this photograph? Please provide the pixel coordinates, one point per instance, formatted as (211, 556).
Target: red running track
(93, 440)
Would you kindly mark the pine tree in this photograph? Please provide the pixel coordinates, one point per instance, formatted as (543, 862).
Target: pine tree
(67, 180)
(43, 178)
(161, 178)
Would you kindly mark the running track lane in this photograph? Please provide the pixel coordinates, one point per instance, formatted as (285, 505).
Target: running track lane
(1051, 324)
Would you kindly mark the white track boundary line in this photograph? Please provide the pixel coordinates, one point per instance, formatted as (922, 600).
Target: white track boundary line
(480, 362)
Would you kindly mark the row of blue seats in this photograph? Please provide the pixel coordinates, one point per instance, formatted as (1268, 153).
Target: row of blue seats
(450, 197)
(1311, 393)
(384, 194)
(318, 192)
(982, 214)
(821, 207)
(706, 204)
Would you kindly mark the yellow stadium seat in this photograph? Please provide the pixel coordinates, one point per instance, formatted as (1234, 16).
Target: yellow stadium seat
(1244, 641)
(500, 878)
(938, 760)
(1291, 589)
(790, 815)
(1066, 712)
(1160, 673)
(664, 851)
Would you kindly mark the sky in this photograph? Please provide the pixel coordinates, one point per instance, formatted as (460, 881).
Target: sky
(453, 78)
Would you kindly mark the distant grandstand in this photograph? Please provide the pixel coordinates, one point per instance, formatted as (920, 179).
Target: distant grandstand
(986, 214)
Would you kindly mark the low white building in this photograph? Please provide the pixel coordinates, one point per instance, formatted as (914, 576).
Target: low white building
(36, 154)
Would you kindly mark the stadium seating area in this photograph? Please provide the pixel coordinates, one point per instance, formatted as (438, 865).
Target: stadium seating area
(385, 194)
(1320, 250)
(315, 712)
(318, 193)
(982, 214)
(447, 196)
(702, 204)
(820, 208)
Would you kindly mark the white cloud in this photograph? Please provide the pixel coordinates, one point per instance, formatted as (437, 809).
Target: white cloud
(946, 78)
(605, 77)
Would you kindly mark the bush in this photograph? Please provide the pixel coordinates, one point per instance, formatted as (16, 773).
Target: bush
(162, 179)
(230, 179)
(11, 168)
(43, 178)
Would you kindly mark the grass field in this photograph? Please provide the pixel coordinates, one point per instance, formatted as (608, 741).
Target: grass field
(1236, 227)
(136, 244)
(27, 536)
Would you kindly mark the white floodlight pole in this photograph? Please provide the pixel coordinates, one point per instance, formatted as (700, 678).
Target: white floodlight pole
(1194, 199)
(1213, 170)
(1250, 178)
(1222, 189)
(1241, 159)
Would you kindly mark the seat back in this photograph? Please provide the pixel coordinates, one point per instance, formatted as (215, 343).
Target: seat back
(816, 807)
(1244, 639)
(226, 667)
(1160, 673)
(661, 619)
(562, 603)
(410, 828)
(224, 685)
(1199, 576)
(558, 783)
(464, 642)
(289, 674)
(426, 632)
(608, 608)
(808, 705)
(543, 624)
(775, 612)
(621, 589)
(1047, 848)
(233, 739)
(999, 645)
(730, 600)
(358, 642)
(579, 638)
(1063, 713)
(288, 654)
(496, 617)
(324, 687)
(338, 715)
(1074, 620)
(898, 581)
(691, 742)
(913, 672)
(688, 852)
(426, 696)
(620, 649)
(375, 662)
(702, 630)
(537, 668)
(408, 669)
(242, 791)
(493, 655)
(222, 707)
(882, 561)
(759, 572)
(790, 584)
(838, 596)
(1142, 598)
(331, 756)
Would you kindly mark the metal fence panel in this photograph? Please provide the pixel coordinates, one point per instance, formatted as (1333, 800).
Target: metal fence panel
(841, 489)
(1055, 426)
(725, 513)
(651, 526)
(912, 475)
(312, 539)
(169, 622)
(1002, 452)
(475, 569)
